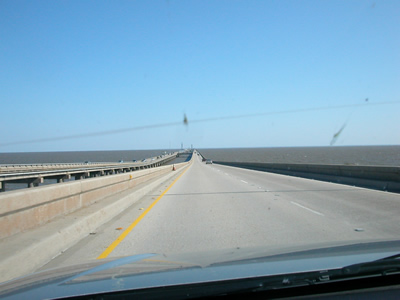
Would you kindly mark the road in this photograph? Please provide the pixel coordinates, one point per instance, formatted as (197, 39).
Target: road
(216, 207)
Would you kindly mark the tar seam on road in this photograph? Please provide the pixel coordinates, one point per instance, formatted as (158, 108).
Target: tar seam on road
(309, 209)
(129, 229)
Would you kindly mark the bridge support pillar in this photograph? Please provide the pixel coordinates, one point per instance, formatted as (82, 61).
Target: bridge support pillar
(62, 178)
(2, 186)
(81, 176)
(35, 182)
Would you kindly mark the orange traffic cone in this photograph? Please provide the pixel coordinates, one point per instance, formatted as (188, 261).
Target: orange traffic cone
(173, 168)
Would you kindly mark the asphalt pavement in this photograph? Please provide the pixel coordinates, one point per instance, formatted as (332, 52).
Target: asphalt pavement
(210, 207)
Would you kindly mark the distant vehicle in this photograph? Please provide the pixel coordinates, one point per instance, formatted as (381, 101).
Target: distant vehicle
(203, 159)
(144, 160)
(87, 162)
(120, 161)
(134, 160)
(209, 161)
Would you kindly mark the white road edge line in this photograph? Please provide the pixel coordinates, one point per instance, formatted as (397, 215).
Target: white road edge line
(243, 181)
(315, 212)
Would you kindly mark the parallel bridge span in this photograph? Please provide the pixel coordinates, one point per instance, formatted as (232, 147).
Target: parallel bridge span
(33, 175)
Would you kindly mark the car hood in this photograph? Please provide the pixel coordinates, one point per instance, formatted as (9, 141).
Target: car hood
(156, 270)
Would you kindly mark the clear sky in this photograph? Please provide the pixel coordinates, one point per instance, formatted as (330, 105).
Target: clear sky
(77, 67)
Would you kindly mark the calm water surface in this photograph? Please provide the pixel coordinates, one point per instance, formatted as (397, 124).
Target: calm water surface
(78, 156)
(350, 155)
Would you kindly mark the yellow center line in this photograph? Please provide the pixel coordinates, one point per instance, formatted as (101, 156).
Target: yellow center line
(129, 229)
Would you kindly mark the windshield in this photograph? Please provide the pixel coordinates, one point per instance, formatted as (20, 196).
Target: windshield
(176, 127)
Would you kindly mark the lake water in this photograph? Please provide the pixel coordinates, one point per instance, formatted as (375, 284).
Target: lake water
(350, 155)
(78, 156)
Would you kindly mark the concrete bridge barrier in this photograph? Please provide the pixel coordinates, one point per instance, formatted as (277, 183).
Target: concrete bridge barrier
(376, 177)
(24, 209)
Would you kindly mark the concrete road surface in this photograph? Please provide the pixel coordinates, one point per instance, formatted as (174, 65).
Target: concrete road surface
(216, 207)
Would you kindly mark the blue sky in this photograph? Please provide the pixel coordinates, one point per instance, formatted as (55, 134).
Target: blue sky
(76, 67)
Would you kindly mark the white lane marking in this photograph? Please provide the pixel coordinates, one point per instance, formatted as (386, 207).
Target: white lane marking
(315, 212)
(243, 181)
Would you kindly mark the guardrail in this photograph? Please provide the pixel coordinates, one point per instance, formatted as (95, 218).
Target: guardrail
(375, 177)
